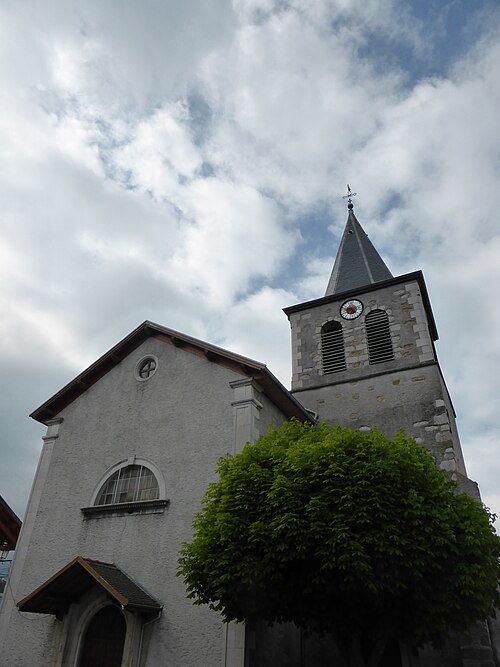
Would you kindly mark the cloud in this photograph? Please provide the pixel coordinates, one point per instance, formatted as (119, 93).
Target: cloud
(184, 162)
(160, 153)
(258, 323)
(235, 226)
(288, 101)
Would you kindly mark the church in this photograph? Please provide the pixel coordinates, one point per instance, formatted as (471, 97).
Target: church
(133, 441)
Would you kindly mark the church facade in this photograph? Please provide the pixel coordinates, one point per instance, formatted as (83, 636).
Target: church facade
(134, 440)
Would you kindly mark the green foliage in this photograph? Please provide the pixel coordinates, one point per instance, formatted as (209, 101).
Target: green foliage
(338, 530)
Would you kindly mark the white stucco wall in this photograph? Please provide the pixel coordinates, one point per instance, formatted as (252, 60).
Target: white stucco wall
(181, 420)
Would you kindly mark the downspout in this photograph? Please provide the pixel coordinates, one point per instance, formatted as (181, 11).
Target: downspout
(153, 620)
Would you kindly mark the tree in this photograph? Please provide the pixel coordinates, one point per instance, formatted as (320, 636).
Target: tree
(345, 533)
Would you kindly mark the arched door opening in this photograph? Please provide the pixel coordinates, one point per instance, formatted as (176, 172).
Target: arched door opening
(104, 639)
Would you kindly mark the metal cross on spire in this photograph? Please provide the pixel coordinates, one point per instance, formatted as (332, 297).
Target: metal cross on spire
(349, 195)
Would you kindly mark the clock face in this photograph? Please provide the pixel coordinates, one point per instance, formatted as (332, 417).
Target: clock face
(351, 309)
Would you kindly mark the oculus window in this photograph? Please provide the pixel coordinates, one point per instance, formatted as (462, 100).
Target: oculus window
(146, 368)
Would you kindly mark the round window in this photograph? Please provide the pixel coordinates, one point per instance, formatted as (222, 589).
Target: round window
(146, 368)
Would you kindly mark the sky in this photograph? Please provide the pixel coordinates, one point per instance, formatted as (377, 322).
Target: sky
(185, 161)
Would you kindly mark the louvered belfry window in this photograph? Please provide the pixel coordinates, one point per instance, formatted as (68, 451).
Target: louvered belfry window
(378, 335)
(332, 347)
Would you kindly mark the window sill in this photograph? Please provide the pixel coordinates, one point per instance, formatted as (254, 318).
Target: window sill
(118, 509)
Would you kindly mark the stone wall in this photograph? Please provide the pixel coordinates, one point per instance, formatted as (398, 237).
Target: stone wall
(409, 329)
(405, 392)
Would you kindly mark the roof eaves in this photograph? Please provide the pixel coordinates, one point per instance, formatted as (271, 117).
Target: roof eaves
(34, 602)
(92, 374)
(116, 595)
(118, 352)
(415, 275)
(280, 395)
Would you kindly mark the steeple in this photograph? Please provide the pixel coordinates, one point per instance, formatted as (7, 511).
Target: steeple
(357, 263)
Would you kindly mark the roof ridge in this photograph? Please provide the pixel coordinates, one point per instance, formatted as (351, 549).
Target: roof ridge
(242, 365)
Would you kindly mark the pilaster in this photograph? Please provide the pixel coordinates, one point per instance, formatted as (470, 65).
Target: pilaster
(14, 581)
(247, 407)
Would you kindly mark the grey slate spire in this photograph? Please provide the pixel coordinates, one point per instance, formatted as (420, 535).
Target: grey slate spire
(357, 263)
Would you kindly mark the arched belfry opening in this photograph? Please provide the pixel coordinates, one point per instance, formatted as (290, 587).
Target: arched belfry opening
(332, 347)
(378, 336)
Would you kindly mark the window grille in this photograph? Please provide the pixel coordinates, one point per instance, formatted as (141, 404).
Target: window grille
(378, 335)
(147, 368)
(332, 347)
(127, 485)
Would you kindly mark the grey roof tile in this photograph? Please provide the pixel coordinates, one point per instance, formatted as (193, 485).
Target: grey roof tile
(358, 263)
(67, 585)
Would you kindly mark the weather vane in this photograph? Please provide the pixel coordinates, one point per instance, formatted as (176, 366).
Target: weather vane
(349, 195)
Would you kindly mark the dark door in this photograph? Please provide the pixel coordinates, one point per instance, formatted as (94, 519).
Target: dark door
(104, 639)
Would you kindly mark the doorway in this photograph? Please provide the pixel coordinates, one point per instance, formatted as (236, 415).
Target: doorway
(104, 639)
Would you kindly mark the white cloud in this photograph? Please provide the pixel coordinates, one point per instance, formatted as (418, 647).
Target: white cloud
(67, 65)
(236, 237)
(120, 203)
(257, 323)
(78, 142)
(160, 152)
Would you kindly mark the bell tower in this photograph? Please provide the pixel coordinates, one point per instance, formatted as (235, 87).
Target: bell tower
(363, 355)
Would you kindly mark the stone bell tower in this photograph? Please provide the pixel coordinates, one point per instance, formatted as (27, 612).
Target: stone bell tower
(363, 355)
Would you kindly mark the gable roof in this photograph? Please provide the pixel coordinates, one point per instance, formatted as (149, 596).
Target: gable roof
(67, 585)
(357, 263)
(246, 367)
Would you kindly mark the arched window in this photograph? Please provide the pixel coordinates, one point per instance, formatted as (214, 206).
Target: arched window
(378, 336)
(332, 347)
(129, 484)
(104, 639)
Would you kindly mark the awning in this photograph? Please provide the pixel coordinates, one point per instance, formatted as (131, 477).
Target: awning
(76, 578)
